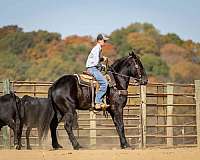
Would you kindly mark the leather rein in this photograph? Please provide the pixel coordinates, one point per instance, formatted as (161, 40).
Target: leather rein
(125, 92)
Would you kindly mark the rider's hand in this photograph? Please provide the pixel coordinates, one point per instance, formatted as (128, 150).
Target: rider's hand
(103, 67)
(105, 58)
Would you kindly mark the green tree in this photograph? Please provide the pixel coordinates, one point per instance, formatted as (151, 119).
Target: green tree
(121, 38)
(142, 43)
(171, 38)
(12, 67)
(154, 65)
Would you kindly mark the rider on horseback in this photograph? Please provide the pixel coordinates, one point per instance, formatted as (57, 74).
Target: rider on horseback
(94, 66)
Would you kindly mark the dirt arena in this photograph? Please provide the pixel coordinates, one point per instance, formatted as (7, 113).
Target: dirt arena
(146, 154)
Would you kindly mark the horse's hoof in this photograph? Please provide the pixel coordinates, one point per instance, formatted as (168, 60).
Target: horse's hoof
(22, 145)
(58, 146)
(77, 147)
(16, 146)
(126, 146)
(29, 148)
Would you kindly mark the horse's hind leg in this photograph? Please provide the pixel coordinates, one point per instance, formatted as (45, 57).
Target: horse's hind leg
(12, 125)
(53, 126)
(28, 130)
(40, 137)
(69, 118)
(75, 120)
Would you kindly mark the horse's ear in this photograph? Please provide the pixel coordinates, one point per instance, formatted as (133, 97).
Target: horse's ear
(132, 53)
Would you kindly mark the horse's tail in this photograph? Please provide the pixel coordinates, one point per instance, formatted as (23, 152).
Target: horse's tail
(49, 116)
(17, 107)
(15, 102)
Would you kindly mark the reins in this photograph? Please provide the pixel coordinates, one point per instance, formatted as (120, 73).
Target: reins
(122, 75)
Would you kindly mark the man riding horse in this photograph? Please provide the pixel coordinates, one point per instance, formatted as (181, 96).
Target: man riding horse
(94, 66)
(67, 94)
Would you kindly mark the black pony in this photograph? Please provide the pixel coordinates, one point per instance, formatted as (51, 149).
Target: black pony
(66, 95)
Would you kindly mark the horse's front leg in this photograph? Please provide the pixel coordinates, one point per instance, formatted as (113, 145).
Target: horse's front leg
(117, 117)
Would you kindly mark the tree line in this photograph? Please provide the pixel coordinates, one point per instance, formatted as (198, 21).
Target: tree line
(45, 56)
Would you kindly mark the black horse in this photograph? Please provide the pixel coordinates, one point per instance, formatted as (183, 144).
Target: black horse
(10, 114)
(35, 109)
(66, 95)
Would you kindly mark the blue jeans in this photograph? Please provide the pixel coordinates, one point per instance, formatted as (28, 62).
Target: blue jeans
(102, 82)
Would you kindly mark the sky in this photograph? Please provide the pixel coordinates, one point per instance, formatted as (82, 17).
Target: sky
(90, 17)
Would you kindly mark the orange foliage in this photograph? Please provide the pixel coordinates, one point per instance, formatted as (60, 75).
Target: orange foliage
(46, 50)
(9, 29)
(40, 51)
(109, 50)
(184, 71)
(84, 40)
(55, 48)
(153, 79)
(189, 45)
(172, 53)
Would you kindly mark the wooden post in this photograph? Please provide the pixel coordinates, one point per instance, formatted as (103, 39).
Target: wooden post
(6, 129)
(143, 91)
(92, 129)
(197, 98)
(170, 90)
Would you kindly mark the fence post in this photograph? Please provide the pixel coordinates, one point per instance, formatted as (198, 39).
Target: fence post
(144, 110)
(6, 129)
(92, 130)
(197, 98)
(170, 101)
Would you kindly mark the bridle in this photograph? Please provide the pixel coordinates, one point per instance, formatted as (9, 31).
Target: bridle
(137, 69)
(122, 75)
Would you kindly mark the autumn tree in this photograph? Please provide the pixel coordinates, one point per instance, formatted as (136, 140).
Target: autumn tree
(43, 55)
(171, 53)
(135, 36)
(184, 72)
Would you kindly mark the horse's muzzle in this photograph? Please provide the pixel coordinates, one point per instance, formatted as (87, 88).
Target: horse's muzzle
(138, 82)
(143, 82)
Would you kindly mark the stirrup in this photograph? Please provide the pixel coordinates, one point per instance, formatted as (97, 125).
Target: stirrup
(94, 110)
(104, 106)
(98, 106)
(101, 106)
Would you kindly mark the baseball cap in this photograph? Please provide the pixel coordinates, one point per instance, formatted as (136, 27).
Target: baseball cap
(102, 37)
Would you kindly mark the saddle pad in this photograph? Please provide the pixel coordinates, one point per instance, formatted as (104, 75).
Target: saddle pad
(85, 79)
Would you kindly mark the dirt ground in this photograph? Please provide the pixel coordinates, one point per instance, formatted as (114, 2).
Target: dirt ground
(146, 154)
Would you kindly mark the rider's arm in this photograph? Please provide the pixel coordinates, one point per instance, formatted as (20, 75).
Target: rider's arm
(93, 58)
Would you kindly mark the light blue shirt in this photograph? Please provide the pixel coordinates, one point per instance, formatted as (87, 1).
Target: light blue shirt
(94, 56)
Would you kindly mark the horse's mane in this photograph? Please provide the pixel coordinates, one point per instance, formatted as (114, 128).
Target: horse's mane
(118, 62)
